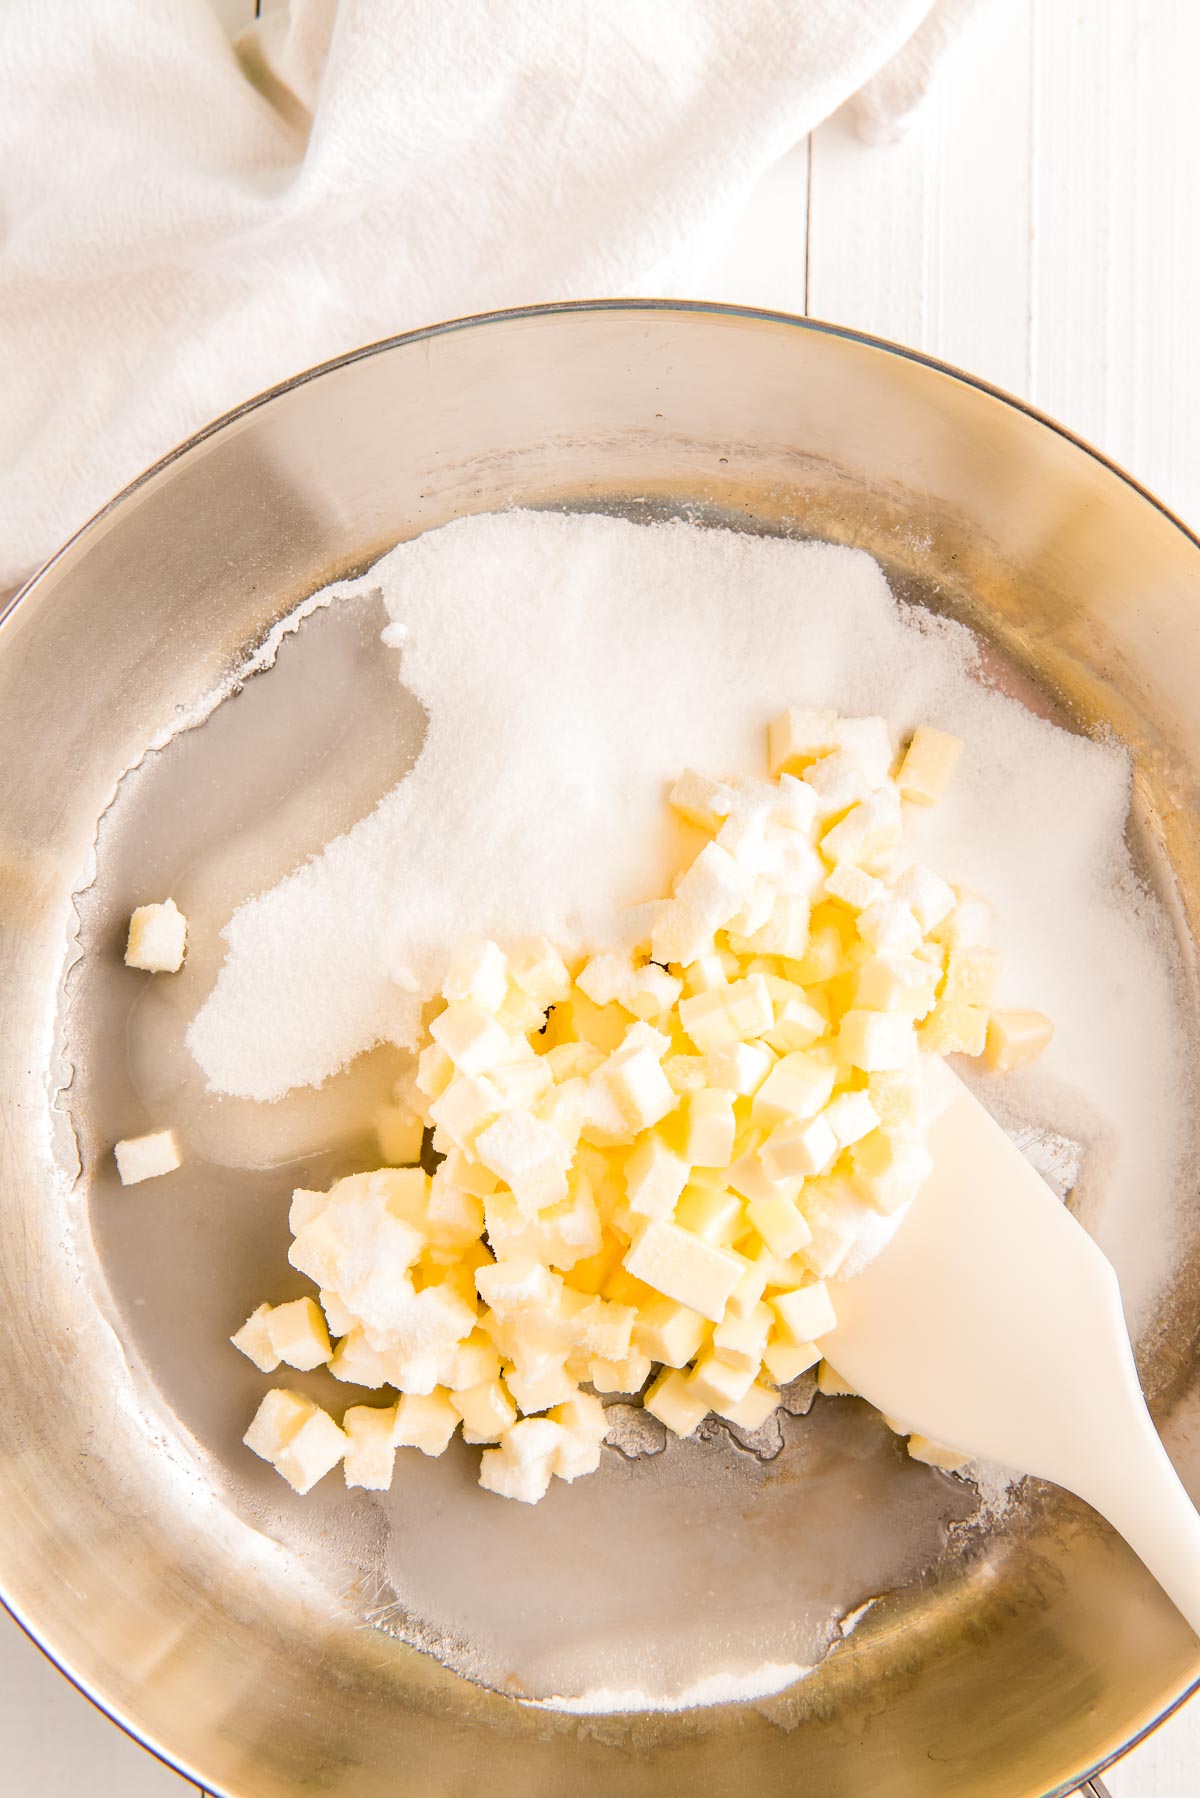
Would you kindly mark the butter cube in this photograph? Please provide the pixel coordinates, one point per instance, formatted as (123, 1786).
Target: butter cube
(707, 1021)
(627, 1376)
(686, 1073)
(748, 1292)
(753, 1409)
(867, 831)
(1015, 1038)
(356, 1362)
(654, 1177)
(921, 1448)
(969, 925)
(672, 1400)
(532, 1157)
(520, 1016)
(313, 1451)
(305, 1206)
(518, 1288)
(971, 975)
(339, 1319)
(536, 966)
(713, 1215)
(955, 1027)
(749, 1005)
(889, 927)
(784, 932)
(930, 898)
(466, 1107)
(854, 888)
(400, 1134)
(742, 1341)
(713, 889)
(838, 781)
(709, 1128)
(146, 1157)
(890, 1167)
(796, 1150)
(739, 1068)
(928, 765)
(486, 1410)
(824, 957)
(278, 1418)
(851, 1116)
(797, 1025)
(435, 1071)
(717, 1383)
(573, 1061)
(453, 1216)
(831, 1383)
(523, 1465)
(750, 1176)
(901, 983)
(478, 972)
(780, 1224)
(706, 972)
(701, 801)
(785, 1360)
(584, 1428)
(682, 1267)
(897, 1095)
(370, 1456)
(798, 736)
(874, 1040)
(298, 1334)
(798, 1086)
(157, 938)
(806, 1313)
(522, 1084)
(544, 1384)
(254, 1340)
(669, 1332)
(425, 1421)
(470, 1036)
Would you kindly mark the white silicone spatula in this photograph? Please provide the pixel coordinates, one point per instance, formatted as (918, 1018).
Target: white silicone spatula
(993, 1324)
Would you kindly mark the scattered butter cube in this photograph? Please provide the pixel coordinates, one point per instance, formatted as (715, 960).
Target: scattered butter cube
(426, 1422)
(370, 1455)
(717, 1382)
(877, 1040)
(752, 1410)
(627, 1376)
(486, 1411)
(673, 1401)
(1015, 1038)
(709, 1128)
(255, 1342)
(921, 1448)
(157, 938)
(313, 1451)
(523, 1465)
(798, 1086)
(928, 765)
(298, 1334)
(146, 1157)
(701, 801)
(831, 1383)
(539, 970)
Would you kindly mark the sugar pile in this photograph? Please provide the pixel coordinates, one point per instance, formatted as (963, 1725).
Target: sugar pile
(570, 666)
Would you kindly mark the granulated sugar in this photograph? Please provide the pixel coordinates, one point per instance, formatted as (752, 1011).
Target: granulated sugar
(570, 666)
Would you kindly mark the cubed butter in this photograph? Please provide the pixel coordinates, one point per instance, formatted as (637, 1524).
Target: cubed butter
(928, 765)
(682, 1267)
(299, 1335)
(370, 1454)
(157, 938)
(1015, 1038)
(254, 1340)
(146, 1157)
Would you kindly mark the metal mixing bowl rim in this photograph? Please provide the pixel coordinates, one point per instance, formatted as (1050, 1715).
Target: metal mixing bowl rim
(821, 327)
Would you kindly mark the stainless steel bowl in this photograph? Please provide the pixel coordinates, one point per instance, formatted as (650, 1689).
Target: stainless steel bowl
(1027, 1663)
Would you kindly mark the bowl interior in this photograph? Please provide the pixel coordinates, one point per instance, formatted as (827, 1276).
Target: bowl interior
(1040, 1647)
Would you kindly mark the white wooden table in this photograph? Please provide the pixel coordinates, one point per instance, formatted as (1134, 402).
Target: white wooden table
(1036, 228)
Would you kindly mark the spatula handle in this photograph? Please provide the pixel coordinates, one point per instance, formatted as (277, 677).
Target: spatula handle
(1138, 1490)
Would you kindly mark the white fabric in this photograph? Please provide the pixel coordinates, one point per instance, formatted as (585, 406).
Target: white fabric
(184, 221)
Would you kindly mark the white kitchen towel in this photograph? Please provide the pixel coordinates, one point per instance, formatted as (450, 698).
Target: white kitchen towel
(184, 221)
